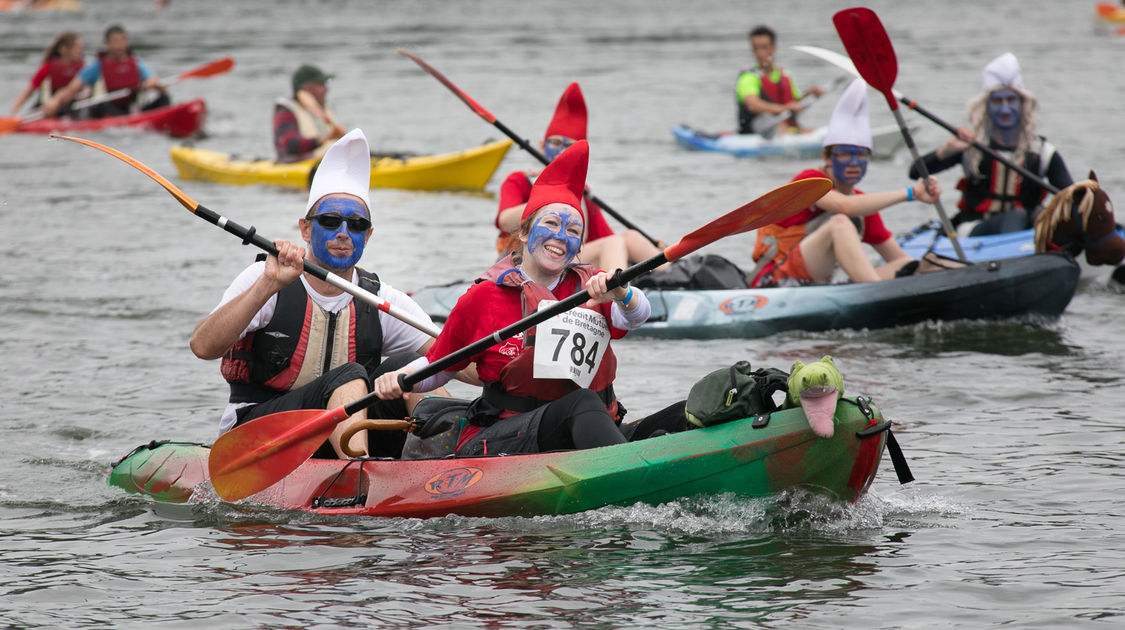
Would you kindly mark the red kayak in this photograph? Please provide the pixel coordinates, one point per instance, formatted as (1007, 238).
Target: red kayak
(179, 120)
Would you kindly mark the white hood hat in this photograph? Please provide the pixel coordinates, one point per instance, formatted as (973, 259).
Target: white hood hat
(346, 168)
(850, 123)
(1003, 70)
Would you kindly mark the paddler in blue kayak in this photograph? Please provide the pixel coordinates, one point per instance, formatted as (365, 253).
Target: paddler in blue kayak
(550, 388)
(603, 248)
(290, 341)
(806, 247)
(996, 199)
(767, 89)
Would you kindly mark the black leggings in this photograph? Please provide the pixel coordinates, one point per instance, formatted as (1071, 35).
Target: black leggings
(577, 420)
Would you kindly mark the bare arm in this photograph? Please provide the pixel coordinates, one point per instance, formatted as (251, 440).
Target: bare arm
(870, 203)
(22, 98)
(509, 218)
(63, 96)
(758, 105)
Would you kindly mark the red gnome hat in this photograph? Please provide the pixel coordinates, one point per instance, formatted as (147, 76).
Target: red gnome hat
(562, 181)
(570, 115)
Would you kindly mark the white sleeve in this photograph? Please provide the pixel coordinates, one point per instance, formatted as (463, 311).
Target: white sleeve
(398, 336)
(244, 281)
(631, 320)
(432, 382)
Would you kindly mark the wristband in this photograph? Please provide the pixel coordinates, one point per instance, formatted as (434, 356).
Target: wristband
(628, 296)
(910, 193)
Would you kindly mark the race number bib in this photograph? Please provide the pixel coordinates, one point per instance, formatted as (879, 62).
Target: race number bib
(570, 345)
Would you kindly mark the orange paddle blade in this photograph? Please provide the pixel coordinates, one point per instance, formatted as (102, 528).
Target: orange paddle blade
(8, 124)
(768, 209)
(254, 456)
(468, 100)
(186, 201)
(219, 66)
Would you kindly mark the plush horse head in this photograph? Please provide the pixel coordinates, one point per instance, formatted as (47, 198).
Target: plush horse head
(1080, 217)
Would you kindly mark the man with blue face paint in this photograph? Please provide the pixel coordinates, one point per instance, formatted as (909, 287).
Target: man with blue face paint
(805, 248)
(291, 341)
(996, 199)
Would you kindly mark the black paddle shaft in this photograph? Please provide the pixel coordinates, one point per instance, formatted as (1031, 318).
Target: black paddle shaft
(620, 279)
(982, 147)
(526, 146)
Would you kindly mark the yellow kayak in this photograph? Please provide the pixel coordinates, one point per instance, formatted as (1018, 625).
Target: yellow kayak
(468, 169)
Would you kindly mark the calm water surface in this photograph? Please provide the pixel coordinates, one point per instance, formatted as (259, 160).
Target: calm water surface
(1014, 431)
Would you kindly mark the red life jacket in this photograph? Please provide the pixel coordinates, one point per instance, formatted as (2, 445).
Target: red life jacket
(61, 73)
(285, 354)
(779, 92)
(997, 188)
(518, 390)
(120, 74)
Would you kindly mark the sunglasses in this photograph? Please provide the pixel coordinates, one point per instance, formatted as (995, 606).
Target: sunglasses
(331, 221)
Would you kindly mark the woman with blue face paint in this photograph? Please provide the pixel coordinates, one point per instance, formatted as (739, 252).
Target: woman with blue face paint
(806, 247)
(552, 387)
(996, 199)
(289, 340)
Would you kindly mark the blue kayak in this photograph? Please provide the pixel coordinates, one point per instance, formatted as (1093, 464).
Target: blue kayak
(886, 139)
(929, 237)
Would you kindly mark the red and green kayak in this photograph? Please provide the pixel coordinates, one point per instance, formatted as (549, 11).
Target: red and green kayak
(749, 457)
(179, 120)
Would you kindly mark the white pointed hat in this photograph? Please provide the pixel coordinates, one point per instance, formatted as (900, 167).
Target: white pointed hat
(1003, 70)
(346, 168)
(850, 123)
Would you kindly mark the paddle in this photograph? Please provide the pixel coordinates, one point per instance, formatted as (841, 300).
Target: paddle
(844, 63)
(766, 125)
(210, 69)
(524, 144)
(870, 48)
(255, 455)
(250, 235)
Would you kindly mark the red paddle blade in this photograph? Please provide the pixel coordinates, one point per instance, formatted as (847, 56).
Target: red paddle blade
(258, 454)
(468, 100)
(770, 208)
(187, 202)
(9, 124)
(870, 48)
(219, 66)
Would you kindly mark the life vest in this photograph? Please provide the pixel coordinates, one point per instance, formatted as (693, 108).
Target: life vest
(517, 390)
(308, 125)
(301, 342)
(776, 241)
(780, 92)
(59, 75)
(118, 74)
(998, 188)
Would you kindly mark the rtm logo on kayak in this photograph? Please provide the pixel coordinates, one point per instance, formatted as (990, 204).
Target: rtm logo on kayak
(743, 304)
(453, 481)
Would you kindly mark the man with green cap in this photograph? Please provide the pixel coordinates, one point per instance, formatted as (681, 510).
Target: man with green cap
(303, 125)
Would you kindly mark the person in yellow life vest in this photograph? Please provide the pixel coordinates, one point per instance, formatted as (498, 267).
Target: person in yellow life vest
(61, 63)
(603, 248)
(116, 68)
(303, 125)
(767, 90)
(806, 247)
(995, 199)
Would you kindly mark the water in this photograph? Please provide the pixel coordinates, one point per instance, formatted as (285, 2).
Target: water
(1014, 432)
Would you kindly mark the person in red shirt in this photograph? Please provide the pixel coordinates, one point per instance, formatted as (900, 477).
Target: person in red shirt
(805, 248)
(603, 248)
(61, 63)
(556, 393)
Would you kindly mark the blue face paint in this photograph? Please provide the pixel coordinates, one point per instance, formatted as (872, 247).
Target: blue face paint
(321, 236)
(1004, 109)
(554, 146)
(541, 233)
(845, 156)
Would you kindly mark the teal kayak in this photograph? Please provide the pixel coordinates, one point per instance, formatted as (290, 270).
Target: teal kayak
(750, 457)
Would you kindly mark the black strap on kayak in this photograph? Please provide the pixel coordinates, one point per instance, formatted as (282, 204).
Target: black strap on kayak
(342, 502)
(898, 459)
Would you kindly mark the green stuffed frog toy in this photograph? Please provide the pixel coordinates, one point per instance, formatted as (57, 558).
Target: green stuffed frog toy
(816, 387)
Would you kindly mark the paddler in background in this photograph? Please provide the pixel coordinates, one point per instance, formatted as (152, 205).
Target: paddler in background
(291, 341)
(603, 248)
(768, 89)
(62, 61)
(805, 248)
(116, 68)
(550, 388)
(303, 126)
(994, 198)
